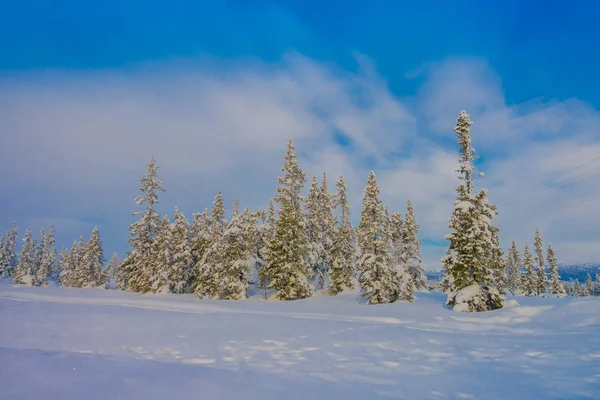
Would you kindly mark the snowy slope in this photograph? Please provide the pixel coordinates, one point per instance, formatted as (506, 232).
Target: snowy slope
(95, 344)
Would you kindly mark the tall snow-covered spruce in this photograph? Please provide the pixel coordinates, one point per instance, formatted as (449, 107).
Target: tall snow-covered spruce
(513, 269)
(379, 281)
(554, 286)
(234, 273)
(23, 271)
(8, 255)
(212, 263)
(92, 262)
(343, 245)
(541, 280)
(134, 271)
(287, 271)
(412, 252)
(468, 268)
(181, 264)
(529, 284)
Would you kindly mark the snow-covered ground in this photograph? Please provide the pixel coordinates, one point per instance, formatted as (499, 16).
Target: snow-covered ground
(72, 344)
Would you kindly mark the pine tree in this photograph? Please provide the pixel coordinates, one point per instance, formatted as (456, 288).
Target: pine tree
(208, 282)
(162, 258)
(201, 241)
(64, 274)
(541, 280)
(513, 269)
(80, 273)
(134, 271)
(597, 285)
(111, 270)
(47, 257)
(343, 245)
(182, 253)
(8, 255)
(412, 248)
(577, 289)
(529, 279)
(379, 281)
(400, 251)
(23, 271)
(39, 254)
(498, 263)
(253, 242)
(267, 236)
(287, 271)
(234, 276)
(588, 288)
(555, 286)
(468, 268)
(315, 249)
(92, 262)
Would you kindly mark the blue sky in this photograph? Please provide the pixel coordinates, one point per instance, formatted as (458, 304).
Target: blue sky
(84, 87)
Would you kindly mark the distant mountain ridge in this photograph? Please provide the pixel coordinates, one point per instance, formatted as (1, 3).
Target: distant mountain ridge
(568, 272)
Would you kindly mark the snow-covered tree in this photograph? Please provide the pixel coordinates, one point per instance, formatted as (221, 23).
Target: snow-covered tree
(208, 281)
(162, 258)
(315, 249)
(80, 273)
(47, 257)
(400, 246)
(379, 281)
(588, 287)
(597, 285)
(182, 253)
(513, 269)
(497, 262)
(8, 255)
(133, 273)
(201, 241)
(23, 271)
(110, 271)
(92, 261)
(529, 284)
(234, 275)
(343, 245)
(555, 287)
(541, 279)
(287, 271)
(577, 289)
(39, 254)
(468, 268)
(412, 250)
(64, 274)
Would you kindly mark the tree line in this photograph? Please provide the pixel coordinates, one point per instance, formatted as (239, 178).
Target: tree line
(299, 246)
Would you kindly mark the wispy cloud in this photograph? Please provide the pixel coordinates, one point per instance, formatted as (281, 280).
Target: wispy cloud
(76, 143)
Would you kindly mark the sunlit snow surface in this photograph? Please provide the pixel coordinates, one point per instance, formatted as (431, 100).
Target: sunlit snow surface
(72, 344)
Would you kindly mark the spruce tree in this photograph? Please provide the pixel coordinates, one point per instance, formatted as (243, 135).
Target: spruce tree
(343, 245)
(315, 250)
(162, 258)
(412, 248)
(529, 278)
(541, 280)
(555, 287)
(208, 282)
(201, 241)
(92, 261)
(47, 258)
(80, 273)
(234, 276)
(468, 267)
(513, 269)
(588, 287)
(64, 276)
(182, 253)
(497, 263)
(398, 243)
(39, 254)
(8, 255)
(577, 290)
(379, 281)
(134, 271)
(267, 236)
(287, 270)
(253, 242)
(22, 273)
(597, 285)
(110, 271)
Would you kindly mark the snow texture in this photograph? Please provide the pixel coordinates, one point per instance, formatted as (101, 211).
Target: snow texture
(101, 344)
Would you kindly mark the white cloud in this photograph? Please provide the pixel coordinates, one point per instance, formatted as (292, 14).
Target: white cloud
(77, 144)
